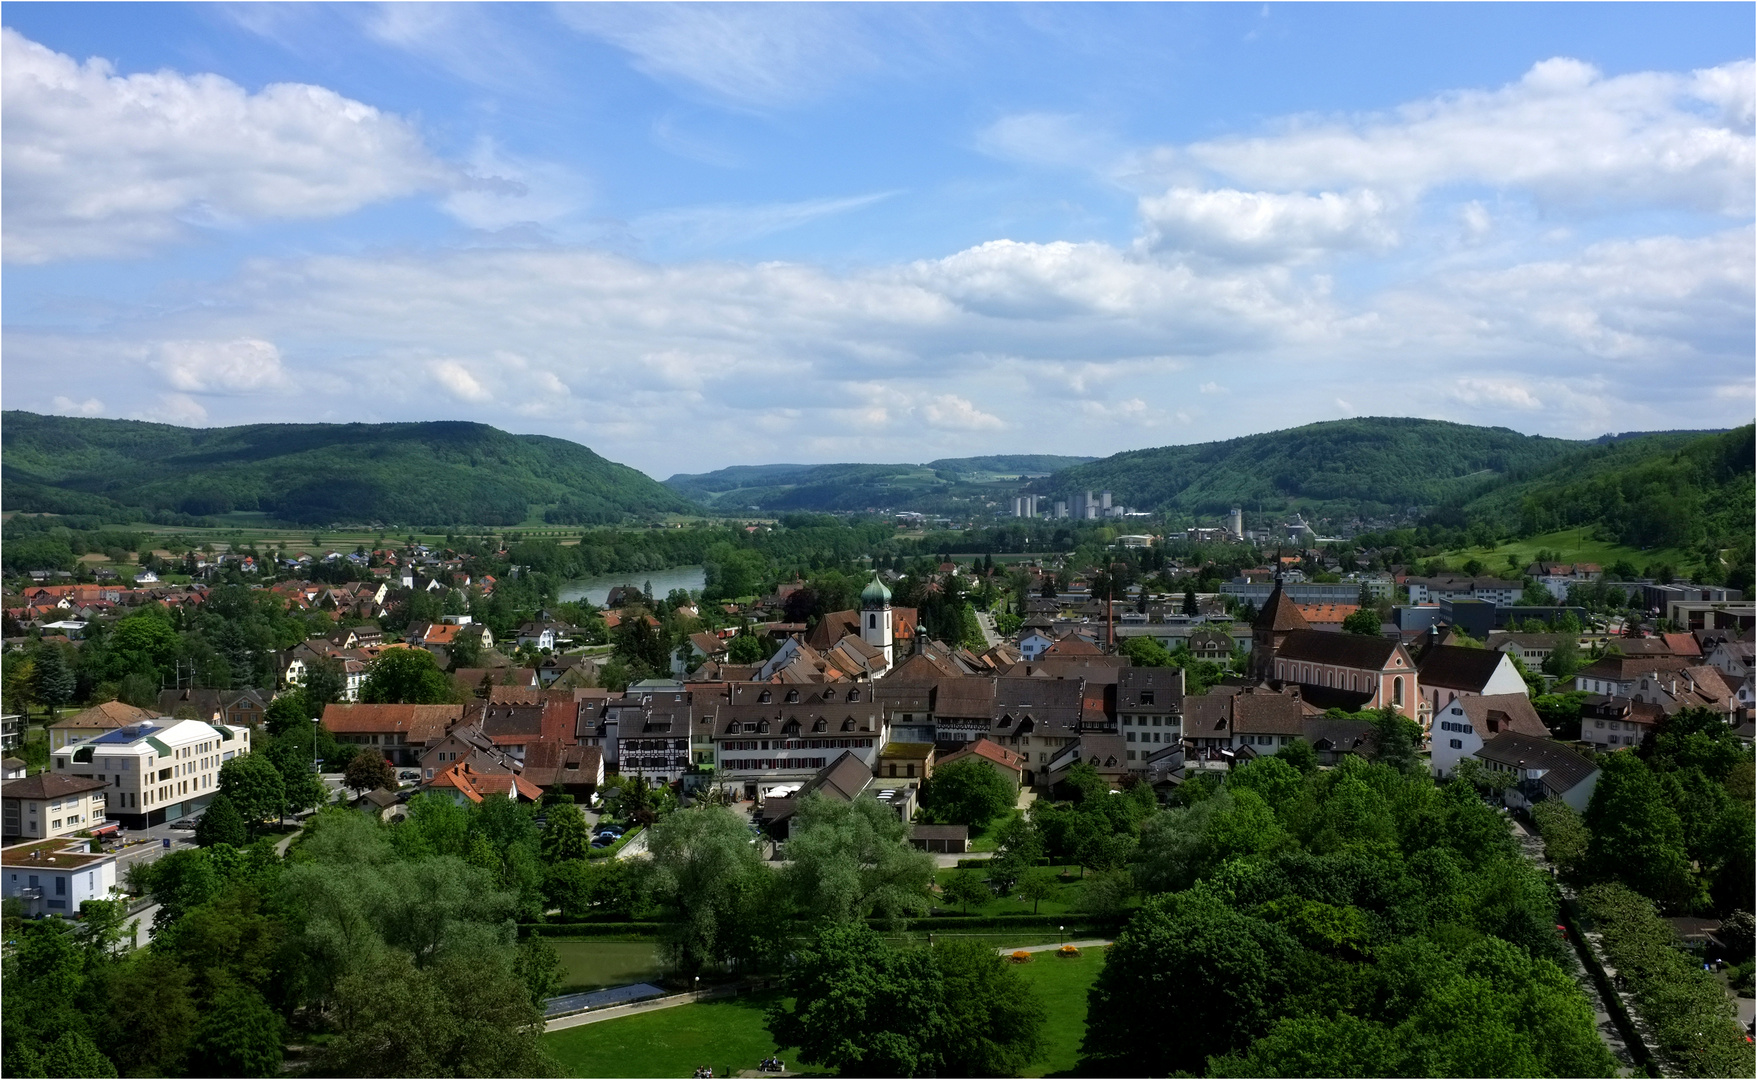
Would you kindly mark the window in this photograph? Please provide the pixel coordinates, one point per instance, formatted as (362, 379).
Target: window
(1456, 744)
(1397, 690)
(1146, 697)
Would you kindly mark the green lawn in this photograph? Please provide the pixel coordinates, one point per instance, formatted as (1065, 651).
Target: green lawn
(1062, 902)
(1062, 983)
(591, 963)
(671, 1042)
(731, 1033)
(1572, 545)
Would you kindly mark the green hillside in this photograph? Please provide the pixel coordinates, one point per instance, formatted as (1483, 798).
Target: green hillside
(946, 485)
(439, 473)
(1367, 465)
(1671, 490)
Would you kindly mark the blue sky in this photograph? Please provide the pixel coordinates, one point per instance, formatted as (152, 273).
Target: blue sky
(700, 235)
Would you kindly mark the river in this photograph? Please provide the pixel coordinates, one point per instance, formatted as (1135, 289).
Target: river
(594, 590)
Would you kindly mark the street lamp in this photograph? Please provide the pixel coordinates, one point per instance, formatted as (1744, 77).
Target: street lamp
(316, 724)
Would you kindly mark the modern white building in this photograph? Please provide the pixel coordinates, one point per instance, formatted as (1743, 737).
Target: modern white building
(53, 877)
(157, 770)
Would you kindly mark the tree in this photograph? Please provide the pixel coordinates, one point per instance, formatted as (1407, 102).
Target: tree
(1037, 885)
(965, 888)
(565, 835)
(851, 860)
(369, 772)
(254, 787)
(325, 682)
(1564, 659)
(1191, 608)
(993, 1019)
(1397, 737)
(969, 792)
(1636, 837)
(705, 870)
(221, 824)
(407, 677)
(53, 680)
(745, 649)
(1301, 755)
(1190, 963)
(862, 1007)
(239, 1035)
(1364, 622)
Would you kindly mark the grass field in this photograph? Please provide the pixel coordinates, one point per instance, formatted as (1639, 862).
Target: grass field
(592, 963)
(1571, 545)
(1064, 899)
(674, 1042)
(670, 1042)
(1062, 982)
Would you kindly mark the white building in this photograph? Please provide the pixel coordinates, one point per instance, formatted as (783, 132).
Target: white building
(53, 877)
(1462, 727)
(48, 805)
(157, 770)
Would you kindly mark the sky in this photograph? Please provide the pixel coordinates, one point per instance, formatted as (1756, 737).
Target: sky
(700, 235)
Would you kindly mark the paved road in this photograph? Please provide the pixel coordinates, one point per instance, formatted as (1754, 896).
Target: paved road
(986, 621)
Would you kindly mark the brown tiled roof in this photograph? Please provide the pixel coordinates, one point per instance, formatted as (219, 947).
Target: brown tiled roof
(1264, 712)
(46, 785)
(985, 748)
(1458, 668)
(1166, 684)
(110, 714)
(1342, 650)
(1491, 714)
(1563, 767)
(964, 697)
(1072, 644)
(418, 723)
(1624, 668)
(1206, 716)
(1280, 613)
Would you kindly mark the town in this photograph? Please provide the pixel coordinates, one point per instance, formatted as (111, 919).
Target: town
(853, 736)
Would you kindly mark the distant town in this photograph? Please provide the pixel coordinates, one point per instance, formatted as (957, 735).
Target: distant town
(887, 739)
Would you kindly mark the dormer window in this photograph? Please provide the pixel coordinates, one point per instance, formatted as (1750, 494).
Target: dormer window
(1146, 697)
(821, 725)
(762, 727)
(848, 724)
(765, 697)
(792, 697)
(854, 695)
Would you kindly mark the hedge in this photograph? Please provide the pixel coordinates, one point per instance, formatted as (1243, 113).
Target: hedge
(1692, 1019)
(591, 929)
(610, 850)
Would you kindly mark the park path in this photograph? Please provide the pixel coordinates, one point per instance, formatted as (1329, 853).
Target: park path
(1608, 1030)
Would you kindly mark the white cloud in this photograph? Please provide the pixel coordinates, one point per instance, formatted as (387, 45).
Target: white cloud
(97, 164)
(1047, 139)
(505, 190)
(1265, 226)
(709, 226)
(239, 366)
(1565, 132)
(1508, 392)
(760, 55)
(66, 406)
(175, 409)
(958, 414)
(460, 382)
(1212, 388)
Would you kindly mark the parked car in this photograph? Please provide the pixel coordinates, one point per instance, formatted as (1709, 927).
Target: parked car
(602, 841)
(186, 823)
(408, 775)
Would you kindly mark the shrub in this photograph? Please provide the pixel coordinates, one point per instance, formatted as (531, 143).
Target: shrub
(1020, 956)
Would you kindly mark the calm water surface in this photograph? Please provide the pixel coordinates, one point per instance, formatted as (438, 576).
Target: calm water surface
(594, 590)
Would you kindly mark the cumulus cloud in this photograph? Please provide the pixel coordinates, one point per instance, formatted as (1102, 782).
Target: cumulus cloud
(1509, 392)
(98, 164)
(459, 382)
(66, 406)
(174, 409)
(958, 414)
(1263, 225)
(1564, 132)
(239, 366)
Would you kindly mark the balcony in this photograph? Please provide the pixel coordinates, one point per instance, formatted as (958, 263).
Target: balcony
(30, 892)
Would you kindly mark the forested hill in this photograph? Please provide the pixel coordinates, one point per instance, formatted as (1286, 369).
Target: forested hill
(1369, 464)
(438, 473)
(948, 484)
(1668, 490)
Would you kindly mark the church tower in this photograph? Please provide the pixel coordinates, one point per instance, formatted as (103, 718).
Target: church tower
(875, 617)
(1279, 617)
